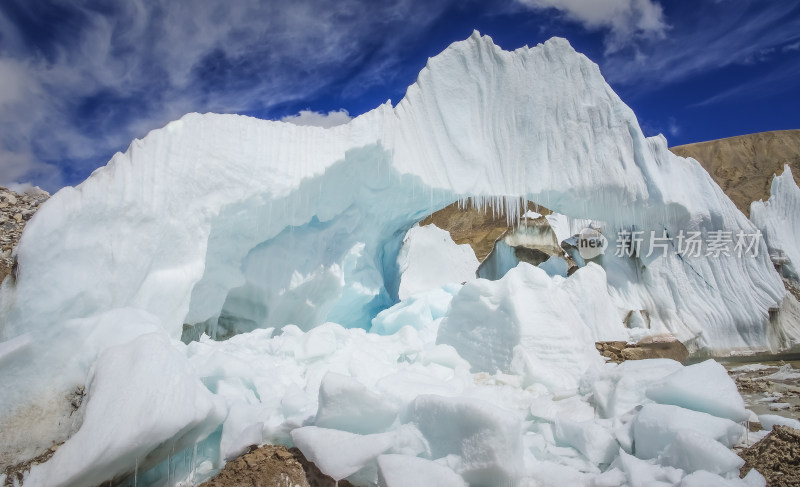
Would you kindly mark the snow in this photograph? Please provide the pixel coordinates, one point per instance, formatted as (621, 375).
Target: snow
(272, 248)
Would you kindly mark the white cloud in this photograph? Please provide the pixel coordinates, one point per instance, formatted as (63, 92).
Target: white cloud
(102, 77)
(791, 47)
(714, 36)
(625, 20)
(317, 119)
(672, 127)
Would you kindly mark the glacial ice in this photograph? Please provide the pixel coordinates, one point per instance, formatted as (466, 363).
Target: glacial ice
(409, 471)
(430, 259)
(271, 249)
(702, 387)
(131, 419)
(777, 220)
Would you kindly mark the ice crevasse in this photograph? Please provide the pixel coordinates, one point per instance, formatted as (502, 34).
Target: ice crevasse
(239, 227)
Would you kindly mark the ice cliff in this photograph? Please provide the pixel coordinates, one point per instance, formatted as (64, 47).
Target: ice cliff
(230, 225)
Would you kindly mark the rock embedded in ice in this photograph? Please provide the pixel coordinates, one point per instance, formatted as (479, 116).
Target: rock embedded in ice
(705, 387)
(407, 471)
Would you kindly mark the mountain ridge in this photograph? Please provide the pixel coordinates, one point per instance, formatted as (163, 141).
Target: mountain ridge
(743, 165)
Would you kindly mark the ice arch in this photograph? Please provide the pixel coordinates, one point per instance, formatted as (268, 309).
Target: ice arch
(301, 223)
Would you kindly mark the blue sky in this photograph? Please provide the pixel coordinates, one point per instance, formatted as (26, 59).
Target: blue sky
(80, 79)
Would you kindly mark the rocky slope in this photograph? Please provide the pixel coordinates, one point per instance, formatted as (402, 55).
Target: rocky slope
(15, 211)
(477, 227)
(743, 166)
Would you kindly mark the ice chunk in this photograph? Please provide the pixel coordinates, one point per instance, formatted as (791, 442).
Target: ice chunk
(573, 408)
(705, 387)
(430, 259)
(588, 290)
(340, 454)
(510, 325)
(642, 472)
(346, 404)
(616, 389)
(769, 420)
(751, 368)
(691, 451)
(596, 443)
(408, 471)
(130, 417)
(701, 478)
(242, 429)
(786, 372)
(657, 425)
(486, 437)
(420, 311)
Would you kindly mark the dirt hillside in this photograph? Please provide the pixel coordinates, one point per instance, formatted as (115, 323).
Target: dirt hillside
(743, 166)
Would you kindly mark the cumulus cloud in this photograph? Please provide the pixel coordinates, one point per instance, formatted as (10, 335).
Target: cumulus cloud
(625, 21)
(81, 79)
(317, 119)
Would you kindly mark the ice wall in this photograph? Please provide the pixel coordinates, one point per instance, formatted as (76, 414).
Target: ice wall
(223, 207)
(225, 223)
(777, 218)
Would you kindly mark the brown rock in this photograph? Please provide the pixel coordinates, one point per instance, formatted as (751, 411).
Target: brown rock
(272, 465)
(776, 457)
(743, 166)
(473, 226)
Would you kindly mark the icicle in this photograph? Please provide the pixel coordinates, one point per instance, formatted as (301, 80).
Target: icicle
(136, 472)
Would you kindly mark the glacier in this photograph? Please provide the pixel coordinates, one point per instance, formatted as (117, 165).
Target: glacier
(273, 249)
